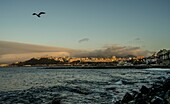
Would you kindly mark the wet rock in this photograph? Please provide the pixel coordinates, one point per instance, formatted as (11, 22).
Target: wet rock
(56, 101)
(131, 102)
(166, 84)
(167, 96)
(142, 100)
(157, 100)
(168, 100)
(118, 102)
(144, 90)
(128, 97)
(135, 94)
(156, 88)
(159, 93)
(139, 95)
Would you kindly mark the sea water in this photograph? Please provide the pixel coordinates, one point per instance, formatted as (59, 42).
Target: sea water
(101, 85)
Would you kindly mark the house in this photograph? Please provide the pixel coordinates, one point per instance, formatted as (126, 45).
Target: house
(164, 57)
(151, 60)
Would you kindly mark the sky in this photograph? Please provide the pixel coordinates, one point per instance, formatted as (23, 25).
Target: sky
(87, 24)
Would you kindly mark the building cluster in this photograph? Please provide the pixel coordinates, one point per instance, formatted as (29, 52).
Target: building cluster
(89, 61)
(160, 58)
(95, 59)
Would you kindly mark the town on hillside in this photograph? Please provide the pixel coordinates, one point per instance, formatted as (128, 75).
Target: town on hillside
(158, 59)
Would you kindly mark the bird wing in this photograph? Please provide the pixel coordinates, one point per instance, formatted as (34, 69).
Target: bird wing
(34, 14)
(41, 13)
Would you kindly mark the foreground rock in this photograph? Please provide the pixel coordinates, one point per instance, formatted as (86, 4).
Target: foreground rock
(159, 93)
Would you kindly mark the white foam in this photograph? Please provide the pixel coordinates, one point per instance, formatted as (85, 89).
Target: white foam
(119, 82)
(158, 69)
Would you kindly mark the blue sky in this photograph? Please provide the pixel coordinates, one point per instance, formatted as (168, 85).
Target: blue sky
(139, 23)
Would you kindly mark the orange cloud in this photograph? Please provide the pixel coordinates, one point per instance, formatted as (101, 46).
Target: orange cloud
(13, 51)
(10, 58)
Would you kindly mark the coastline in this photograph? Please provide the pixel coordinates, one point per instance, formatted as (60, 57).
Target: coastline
(94, 67)
(103, 67)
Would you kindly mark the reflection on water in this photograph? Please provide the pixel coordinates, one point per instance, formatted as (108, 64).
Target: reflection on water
(95, 82)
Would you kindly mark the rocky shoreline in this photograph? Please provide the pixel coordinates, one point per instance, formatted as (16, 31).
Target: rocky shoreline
(159, 93)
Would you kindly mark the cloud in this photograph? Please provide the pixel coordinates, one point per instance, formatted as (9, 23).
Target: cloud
(83, 40)
(116, 50)
(13, 51)
(137, 39)
(18, 48)
(11, 58)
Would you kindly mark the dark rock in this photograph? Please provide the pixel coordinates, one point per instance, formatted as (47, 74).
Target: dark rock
(56, 101)
(139, 95)
(128, 97)
(131, 102)
(144, 90)
(156, 88)
(157, 100)
(160, 82)
(166, 84)
(118, 102)
(159, 93)
(167, 96)
(135, 94)
(141, 102)
(32, 99)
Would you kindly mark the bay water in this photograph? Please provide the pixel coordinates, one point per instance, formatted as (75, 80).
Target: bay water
(80, 85)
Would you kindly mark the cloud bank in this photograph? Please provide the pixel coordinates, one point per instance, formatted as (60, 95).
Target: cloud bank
(83, 40)
(12, 51)
(17, 48)
(116, 50)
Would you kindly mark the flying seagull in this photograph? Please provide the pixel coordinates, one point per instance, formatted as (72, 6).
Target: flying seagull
(38, 15)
